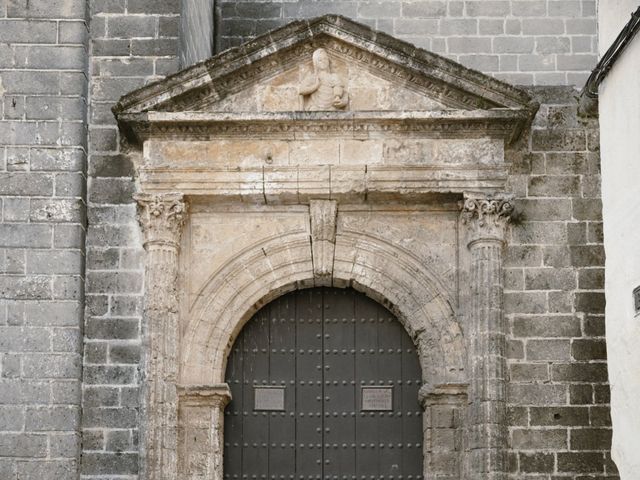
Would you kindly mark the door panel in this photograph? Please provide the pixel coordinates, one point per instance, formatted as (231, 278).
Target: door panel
(322, 346)
(339, 382)
(308, 319)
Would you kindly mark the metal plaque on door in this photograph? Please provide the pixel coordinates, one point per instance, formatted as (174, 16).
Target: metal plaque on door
(269, 398)
(377, 398)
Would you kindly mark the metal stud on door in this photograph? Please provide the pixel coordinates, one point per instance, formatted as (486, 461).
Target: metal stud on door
(325, 386)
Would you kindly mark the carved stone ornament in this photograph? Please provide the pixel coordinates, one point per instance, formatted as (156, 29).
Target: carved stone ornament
(452, 393)
(487, 217)
(161, 217)
(323, 214)
(217, 395)
(323, 90)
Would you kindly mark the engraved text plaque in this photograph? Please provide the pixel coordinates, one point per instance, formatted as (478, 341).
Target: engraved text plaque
(269, 398)
(377, 398)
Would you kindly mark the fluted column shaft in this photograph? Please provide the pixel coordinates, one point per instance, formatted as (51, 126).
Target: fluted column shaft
(161, 218)
(487, 220)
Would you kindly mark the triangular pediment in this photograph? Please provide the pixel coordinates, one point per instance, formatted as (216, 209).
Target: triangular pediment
(376, 71)
(365, 87)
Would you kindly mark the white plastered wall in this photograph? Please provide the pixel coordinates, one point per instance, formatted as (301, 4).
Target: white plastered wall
(619, 101)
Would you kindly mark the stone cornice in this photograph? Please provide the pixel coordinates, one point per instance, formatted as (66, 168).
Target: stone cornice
(487, 217)
(216, 395)
(161, 217)
(442, 394)
(499, 123)
(345, 183)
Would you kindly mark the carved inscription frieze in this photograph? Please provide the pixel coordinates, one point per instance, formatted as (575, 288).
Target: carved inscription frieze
(501, 124)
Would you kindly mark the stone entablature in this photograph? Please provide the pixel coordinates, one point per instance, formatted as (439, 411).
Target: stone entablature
(287, 200)
(306, 154)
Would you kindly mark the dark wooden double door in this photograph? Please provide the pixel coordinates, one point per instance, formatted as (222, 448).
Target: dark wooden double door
(325, 386)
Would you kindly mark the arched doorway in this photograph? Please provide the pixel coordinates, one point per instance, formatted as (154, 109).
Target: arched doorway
(325, 386)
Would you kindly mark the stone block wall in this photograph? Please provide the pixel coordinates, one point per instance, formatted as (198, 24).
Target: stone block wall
(554, 302)
(132, 42)
(525, 42)
(43, 100)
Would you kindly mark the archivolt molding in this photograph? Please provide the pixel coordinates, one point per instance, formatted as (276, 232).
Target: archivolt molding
(250, 279)
(403, 283)
(385, 272)
(382, 248)
(276, 254)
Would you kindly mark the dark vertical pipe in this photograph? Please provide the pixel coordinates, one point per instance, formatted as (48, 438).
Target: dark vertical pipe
(196, 31)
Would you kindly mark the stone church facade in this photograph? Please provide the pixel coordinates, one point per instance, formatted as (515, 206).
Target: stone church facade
(147, 220)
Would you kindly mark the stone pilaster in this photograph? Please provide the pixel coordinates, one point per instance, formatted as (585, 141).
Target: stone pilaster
(201, 430)
(442, 426)
(162, 218)
(487, 219)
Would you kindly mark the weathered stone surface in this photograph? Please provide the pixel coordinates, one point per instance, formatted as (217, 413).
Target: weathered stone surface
(235, 257)
(323, 215)
(43, 108)
(161, 218)
(386, 72)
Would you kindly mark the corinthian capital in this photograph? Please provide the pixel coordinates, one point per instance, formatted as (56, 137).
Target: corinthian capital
(161, 217)
(487, 218)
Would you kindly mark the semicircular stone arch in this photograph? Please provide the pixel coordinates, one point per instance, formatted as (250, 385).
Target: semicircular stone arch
(386, 273)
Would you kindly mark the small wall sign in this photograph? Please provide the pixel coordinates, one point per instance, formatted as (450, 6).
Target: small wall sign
(269, 398)
(636, 299)
(377, 398)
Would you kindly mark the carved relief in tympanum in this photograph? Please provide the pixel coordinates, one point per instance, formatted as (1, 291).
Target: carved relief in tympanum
(331, 77)
(322, 89)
